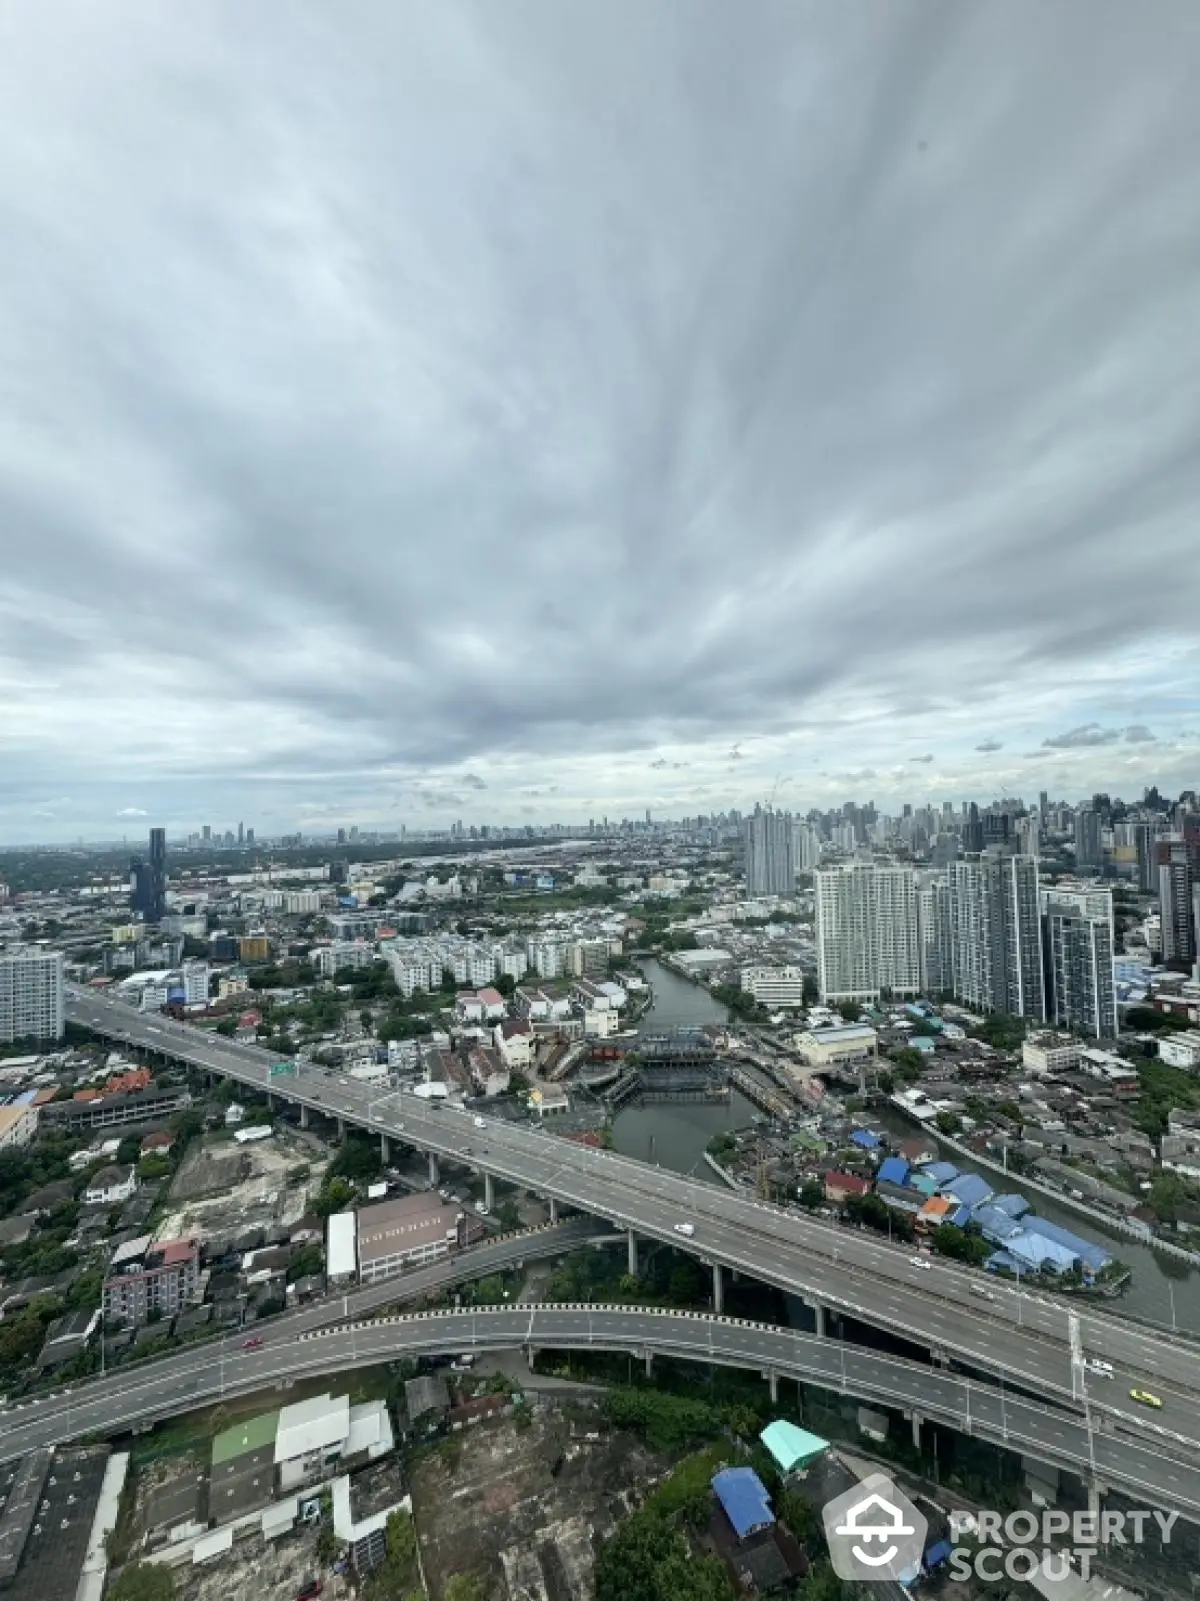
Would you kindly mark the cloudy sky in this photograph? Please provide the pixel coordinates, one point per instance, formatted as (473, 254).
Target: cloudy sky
(526, 410)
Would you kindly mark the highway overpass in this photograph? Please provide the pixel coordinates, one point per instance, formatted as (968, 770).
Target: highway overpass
(1150, 1470)
(1024, 1338)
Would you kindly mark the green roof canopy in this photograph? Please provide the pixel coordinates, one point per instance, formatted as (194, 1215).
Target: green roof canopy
(791, 1447)
(251, 1435)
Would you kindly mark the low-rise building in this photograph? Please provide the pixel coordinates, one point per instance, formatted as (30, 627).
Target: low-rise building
(514, 1041)
(377, 1242)
(777, 988)
(831, 1047)
(1181, 1050)
(109, 1186)
(148, 1279)
(1050, 1052)
(342, 955)
(18, 1124)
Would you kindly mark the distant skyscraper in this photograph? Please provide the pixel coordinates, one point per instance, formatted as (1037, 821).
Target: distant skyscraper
(1178, 862)
(1078, 945)
(241, 835)
(206, 833)
(770, 856)
(867, 931)
(806, 847)
(1089, 850)
(158, 875)
(31, 994)
(998, 935)
(249, 836)
(1044, 802)
(1143, 840)
(972, 834)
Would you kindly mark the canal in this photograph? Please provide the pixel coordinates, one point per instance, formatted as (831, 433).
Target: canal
(675, 1136)
(1162, 1290)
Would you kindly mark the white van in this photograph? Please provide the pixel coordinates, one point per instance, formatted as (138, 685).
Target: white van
(685, 1228)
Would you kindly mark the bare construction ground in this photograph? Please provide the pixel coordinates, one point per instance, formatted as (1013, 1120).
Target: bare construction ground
(524, 1508)
(223, 1188)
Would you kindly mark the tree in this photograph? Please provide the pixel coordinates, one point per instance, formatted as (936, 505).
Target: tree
(812, 1195)
(948, 1123)
(463, 1587)
(850, 1010)
(142, 1581)
(506, 984)
(397, 1574)
(1167, 1194)
(508, 1217)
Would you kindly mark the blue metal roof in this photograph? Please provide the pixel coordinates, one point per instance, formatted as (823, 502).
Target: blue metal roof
(865, 1139)
(743, 1495)
(940, 1172)
(968, 1188)
(1014, 1205)
(1095, 1256)
(893, 1170)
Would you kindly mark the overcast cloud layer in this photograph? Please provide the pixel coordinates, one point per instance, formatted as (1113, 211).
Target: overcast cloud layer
(527, 410)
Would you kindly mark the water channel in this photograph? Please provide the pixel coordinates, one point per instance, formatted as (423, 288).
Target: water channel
(1162, 1290)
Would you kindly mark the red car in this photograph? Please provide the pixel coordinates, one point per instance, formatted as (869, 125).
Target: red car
(252, 1344)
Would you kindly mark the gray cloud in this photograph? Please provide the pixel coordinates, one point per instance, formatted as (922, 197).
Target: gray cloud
(473, 781)
(924, 759)
(426, 418)
(1139, 734)
(990, 745)
(1087, 735)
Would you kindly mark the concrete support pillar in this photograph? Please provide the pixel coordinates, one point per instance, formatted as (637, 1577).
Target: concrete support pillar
(531, 1354)
(718, 1289)
(304, 1117)
(818, 1313)
(649, 1360)
(434, 1172)
(553, 1210)
(385, 1149)
(341, 1128)
(631, 1254)
(489, 1191)
(773, 1381)
(916, 1430)
(1093, 1497)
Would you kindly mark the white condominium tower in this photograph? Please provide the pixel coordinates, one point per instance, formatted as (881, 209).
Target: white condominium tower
(998, 935)
(867, 932)
(31, 994)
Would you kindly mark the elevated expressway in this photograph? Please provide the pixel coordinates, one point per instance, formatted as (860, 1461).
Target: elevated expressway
(1025, 1339)
(1146, 1470)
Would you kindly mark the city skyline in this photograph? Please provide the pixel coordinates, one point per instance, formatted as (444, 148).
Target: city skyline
(391, 427)
(346, 831)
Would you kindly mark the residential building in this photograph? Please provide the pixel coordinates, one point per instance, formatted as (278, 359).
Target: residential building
(775, 987)
(342, 955)
(111, 1111)
(18, 1125)
(148, 1279)
(31, 994)
(514, 1041)
(935, 932)
(770, 853)
(1080, 992)
(1178, 862)
(806, 847)
(867, 931)
(1047, 1052)
(1089, 846)
(109, 1186)
(1181, 1050)
(998, 934)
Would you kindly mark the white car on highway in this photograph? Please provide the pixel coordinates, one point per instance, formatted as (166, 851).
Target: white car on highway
(919, 1261)
(1103, 1370)
(687, 1229)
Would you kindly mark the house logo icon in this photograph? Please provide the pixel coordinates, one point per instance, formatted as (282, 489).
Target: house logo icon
(874, 1532)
